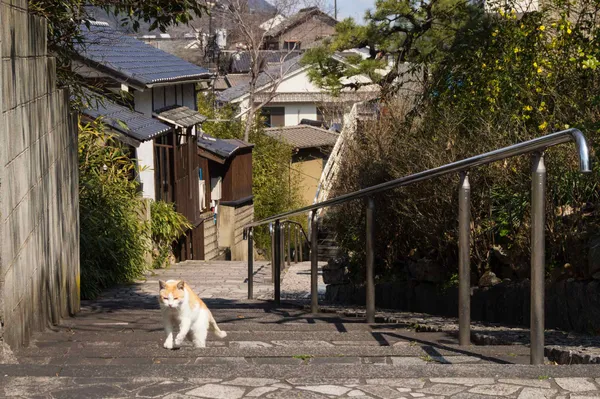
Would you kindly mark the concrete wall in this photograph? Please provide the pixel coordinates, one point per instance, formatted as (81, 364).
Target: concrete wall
(39, 223)
(295, 112)
(239, 247)
(211, 245)
(308, 172)
(231, 229)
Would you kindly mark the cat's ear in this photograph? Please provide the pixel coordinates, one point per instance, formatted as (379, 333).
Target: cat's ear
(180, 285)
(161, 284)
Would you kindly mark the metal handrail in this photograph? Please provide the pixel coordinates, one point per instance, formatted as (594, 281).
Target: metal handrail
(538, 191)
(536, 145)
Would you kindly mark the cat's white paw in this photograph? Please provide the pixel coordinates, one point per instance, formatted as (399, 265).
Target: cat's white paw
(199, 344)
(178, 342)
(168, 344)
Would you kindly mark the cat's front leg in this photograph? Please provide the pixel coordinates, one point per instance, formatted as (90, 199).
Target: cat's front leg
(169, 330)
(184, 329)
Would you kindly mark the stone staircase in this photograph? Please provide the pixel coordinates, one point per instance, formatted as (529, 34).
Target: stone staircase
(113, 348)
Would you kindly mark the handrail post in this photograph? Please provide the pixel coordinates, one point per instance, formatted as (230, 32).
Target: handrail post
(277, 262)
(464, 265)
(282, 247)
(370, 301)
(250, 263)
(538, 216)
(300, 245)
(296, 241)
(314, 265)
(289, 244)
(272, 233)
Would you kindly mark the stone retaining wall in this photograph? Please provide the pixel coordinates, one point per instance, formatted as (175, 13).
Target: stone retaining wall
(570, 305)
(39, 222)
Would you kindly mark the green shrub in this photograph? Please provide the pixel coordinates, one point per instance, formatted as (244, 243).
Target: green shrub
(114, 237)
(273, 185)
(504, 79)
(167, 226)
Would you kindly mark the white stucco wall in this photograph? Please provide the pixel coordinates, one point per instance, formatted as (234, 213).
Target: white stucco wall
(295, 112)
(145, 152)
(299, 83)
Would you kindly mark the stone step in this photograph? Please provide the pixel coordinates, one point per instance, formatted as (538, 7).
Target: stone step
(248, 349)
(308, 373)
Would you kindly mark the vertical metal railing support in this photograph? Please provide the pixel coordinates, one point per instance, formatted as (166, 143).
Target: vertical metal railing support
(538, 215)
(370, 300)
(314, 265)
(464, 264)
(296, 241)
(300, 245)
(272, 234)
(282, 247)
(250, 237)
(289, 244)
(277, 262)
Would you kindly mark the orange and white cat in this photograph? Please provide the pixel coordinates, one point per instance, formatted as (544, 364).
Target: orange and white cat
(181, 306)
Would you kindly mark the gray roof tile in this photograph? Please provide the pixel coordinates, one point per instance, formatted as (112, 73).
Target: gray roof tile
(124, 120)
(263, 79)
(303, 136)
(180, 115)
(132, 59)
(298, 18)
(224, 148)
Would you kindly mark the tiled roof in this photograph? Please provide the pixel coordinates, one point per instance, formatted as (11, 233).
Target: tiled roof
(303, 136)
(220, 83)
(238, 79)
(264, 79)
(303, 97)
(296, 19)
(241, 61)
(223, 148)
(180, 116)
(132, 60)
(122, 119)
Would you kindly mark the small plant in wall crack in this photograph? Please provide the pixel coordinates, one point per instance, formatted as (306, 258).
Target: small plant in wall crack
(304, 358)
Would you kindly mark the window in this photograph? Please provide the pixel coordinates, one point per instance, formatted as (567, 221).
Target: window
(291, 45)
(274, 116)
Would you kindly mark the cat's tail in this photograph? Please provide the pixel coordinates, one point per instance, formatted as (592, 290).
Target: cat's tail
(215, 328)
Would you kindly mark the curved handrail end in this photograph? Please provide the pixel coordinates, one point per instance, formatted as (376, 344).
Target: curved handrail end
(585, 164)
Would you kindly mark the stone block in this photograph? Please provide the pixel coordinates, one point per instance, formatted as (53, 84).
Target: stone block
(14, 139)
(6, 30)
(9, 87)
(21, 27)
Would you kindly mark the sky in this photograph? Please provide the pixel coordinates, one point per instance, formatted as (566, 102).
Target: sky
(353, 8)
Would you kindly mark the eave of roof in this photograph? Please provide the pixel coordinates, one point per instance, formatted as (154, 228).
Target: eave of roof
(221, 148)
(179, 115)
(303, 136)
(126, 121)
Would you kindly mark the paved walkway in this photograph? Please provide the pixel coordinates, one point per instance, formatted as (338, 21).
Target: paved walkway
(113, 348)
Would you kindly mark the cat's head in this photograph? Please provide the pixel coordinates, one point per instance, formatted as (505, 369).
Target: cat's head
(171, 293)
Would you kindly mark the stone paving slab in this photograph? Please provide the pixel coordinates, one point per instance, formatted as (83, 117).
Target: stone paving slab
(561, 347)
(248, 387)
(113, 348)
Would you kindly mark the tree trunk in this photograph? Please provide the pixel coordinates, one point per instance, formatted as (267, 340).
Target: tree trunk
(251, 110)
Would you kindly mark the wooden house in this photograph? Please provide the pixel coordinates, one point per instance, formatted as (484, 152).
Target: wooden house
(158, 119)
